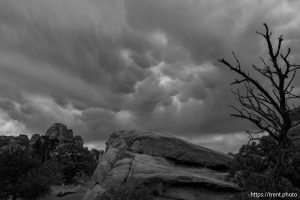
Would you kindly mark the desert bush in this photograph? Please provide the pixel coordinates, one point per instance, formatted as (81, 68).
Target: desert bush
(22, 176)
(35, 184)
(74, 159)
(43, 147)
(255, 157)
(252, 168)
(54, 171)
(64, 160)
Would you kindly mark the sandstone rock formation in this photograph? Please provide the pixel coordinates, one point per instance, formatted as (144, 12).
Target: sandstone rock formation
(60, 135)
(11, 143)
(14, 143)
(78, 140)
(20, 140)
(60, 132)
(34, 138)
(12, 147)
(4, 140)
(96, 154)
(183, 170)
(57, 132)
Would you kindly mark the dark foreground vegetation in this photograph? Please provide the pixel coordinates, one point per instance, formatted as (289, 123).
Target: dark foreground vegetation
(23, 176)
(127, 192)
(28, 171)
(253, 166)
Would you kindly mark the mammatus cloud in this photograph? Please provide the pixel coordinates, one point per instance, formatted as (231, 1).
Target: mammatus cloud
(100, 66)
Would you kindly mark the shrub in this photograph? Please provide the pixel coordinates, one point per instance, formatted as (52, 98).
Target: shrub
(54, 171)
(127, 192)
(35, 184)
(65, 160)
(43, 147)
(22, 176)
(253, 166)
(74, 159)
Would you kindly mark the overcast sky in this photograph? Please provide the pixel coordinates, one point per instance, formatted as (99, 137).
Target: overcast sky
(104, 65)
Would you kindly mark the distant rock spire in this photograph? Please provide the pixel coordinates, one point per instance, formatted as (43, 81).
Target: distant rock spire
(61, 132)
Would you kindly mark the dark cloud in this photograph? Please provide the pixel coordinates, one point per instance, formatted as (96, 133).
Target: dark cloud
(99, 66)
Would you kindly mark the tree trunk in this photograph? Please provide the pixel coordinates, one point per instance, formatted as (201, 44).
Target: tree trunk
(278, 171)
(281, 157)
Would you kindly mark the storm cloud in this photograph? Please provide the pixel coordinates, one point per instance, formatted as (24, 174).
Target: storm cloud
(103, 65)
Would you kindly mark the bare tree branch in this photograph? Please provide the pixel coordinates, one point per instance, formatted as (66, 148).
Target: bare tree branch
(268, 108)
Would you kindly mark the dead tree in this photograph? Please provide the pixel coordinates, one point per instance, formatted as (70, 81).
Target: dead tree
(268, 108)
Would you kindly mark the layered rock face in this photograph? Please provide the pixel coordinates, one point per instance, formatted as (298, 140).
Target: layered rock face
(12, 143)
(96, 154)
(183, 170)
(21, 140)
(60, 132)
(34, 138)
(4, 140)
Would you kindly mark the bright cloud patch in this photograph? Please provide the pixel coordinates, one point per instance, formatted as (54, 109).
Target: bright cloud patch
(9, 126)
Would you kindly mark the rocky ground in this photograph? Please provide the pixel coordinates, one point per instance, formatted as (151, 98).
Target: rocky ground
(68, 192)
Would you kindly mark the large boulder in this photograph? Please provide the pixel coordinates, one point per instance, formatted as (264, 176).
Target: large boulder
(185, 171)
(60, 132)
(168, 147)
